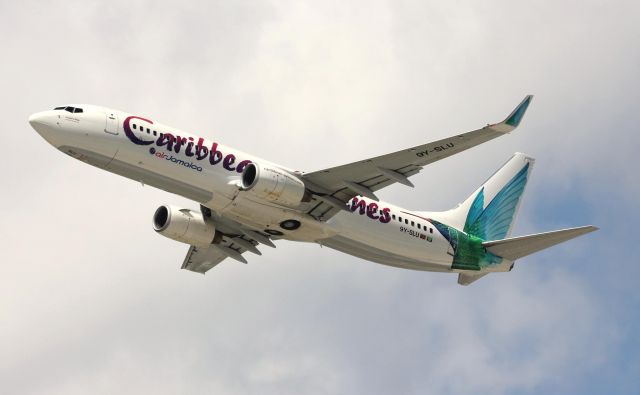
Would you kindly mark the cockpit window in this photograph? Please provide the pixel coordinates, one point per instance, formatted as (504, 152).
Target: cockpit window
(73, 110)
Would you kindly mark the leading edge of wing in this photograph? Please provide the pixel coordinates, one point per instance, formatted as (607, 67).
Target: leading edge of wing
(374, 173)
(438, 149)
(337, 185)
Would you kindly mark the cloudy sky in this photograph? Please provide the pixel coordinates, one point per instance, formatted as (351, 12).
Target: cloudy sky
(93, 301)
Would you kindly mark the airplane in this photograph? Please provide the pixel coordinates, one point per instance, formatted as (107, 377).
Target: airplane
(247, 202)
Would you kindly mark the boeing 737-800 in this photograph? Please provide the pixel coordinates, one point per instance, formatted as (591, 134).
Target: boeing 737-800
(246, 202)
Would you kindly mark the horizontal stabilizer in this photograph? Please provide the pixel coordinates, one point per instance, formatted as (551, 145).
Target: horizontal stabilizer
(518, 247)
(468, 278)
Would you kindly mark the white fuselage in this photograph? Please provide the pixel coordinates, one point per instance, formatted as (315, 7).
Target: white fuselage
(131, 146)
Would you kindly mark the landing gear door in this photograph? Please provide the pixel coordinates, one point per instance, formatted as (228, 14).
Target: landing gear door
(112, 125)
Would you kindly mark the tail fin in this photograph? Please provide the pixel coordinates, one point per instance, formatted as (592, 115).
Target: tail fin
(487, 218)
(489, 213)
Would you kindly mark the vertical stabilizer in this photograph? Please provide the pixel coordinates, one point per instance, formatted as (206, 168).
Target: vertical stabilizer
(490, 212)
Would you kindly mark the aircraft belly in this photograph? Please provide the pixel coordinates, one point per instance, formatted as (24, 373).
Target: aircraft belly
(266, 216)
(96, 150)
(141, 174)
(387, 237)
(370, 253)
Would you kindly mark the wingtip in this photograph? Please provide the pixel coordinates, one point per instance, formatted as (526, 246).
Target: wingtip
(516, 116)
(513, 120)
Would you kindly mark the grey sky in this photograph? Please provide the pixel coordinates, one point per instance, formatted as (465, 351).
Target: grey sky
(92, 300)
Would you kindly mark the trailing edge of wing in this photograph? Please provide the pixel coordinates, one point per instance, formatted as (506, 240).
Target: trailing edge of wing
(200, 259)
(518, 247)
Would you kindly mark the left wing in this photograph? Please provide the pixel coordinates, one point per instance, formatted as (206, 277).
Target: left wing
(201, 259)
(333, 187)
(235, 241)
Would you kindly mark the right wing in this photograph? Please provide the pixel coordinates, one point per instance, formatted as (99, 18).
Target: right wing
(335, 186)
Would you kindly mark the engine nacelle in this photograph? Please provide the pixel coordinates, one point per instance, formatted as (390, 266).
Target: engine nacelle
(274, 185)
(184, 225)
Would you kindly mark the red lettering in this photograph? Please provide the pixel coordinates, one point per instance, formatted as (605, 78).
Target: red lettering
(166, 139)
(201, 151)
(189, 151)
(129, 133)
(359, 204)
(385, 217)
(242, 165)
(372, 209)
(228, 161)
(179, 142)
(215, 156)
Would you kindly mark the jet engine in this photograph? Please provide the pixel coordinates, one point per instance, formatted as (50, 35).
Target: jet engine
(274, 185)
(184, 225)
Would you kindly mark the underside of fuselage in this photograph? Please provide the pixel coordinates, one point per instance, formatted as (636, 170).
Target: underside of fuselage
(370, 253)
(137, 173)
(337, 242)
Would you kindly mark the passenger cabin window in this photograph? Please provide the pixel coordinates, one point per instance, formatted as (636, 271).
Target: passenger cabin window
(394, 217)
(134, 126)
(406, 221)
(430, 230)
(413, 223)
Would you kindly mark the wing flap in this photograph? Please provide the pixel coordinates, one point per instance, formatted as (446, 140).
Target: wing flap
(202, 259)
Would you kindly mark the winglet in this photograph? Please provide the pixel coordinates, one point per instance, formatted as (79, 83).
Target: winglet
(513, 120)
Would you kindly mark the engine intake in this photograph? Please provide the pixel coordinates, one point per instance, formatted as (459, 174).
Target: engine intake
(274, 185)
(184, 225)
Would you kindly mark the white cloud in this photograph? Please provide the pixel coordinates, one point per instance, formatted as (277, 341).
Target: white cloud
(92, 300)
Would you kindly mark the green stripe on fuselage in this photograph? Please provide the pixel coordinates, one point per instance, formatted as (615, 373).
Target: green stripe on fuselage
(469, 254)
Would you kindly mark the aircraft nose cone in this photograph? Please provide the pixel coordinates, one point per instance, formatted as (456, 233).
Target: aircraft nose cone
(45, 124)
(37, 118)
